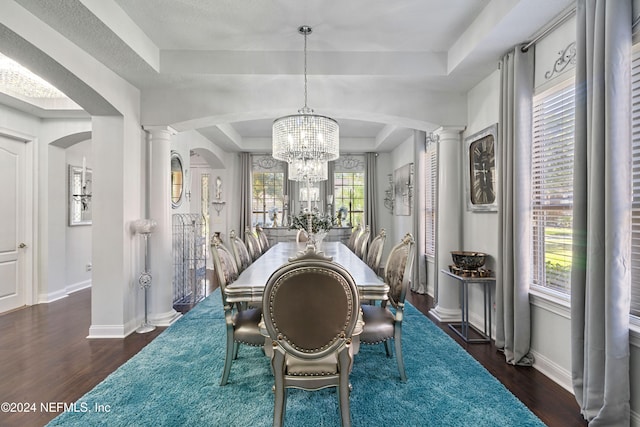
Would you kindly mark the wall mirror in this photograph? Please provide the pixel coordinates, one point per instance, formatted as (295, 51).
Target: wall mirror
(177, 179)
(80, 180)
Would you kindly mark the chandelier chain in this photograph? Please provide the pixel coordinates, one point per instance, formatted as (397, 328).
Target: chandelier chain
(305, 69)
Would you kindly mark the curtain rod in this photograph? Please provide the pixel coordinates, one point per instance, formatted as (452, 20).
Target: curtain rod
(555, 24)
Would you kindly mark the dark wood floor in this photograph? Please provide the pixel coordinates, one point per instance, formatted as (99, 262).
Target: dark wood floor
(47, 360)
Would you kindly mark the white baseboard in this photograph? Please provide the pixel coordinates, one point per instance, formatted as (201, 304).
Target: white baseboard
(114, 331)
(555, 372)
(107, 331)
(63, 293)
(75, 287)
(53, 296)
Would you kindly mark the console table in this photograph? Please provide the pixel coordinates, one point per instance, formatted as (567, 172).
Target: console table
(462, 328)
(283, 234)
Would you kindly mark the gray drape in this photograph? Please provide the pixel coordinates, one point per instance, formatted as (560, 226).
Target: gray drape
(245, 193)
(600, 274)
(513, 319)
(371, 188)
(326, 187)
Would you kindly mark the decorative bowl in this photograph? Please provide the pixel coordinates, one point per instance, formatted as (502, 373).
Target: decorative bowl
(468, 260)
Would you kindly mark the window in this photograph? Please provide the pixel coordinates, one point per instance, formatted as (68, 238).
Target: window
(267, 198)
(349, 194)
(267, 188)
(552, 187)
(635, 173)
(431, 175)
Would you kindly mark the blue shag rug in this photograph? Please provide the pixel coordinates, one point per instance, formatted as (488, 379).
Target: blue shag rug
(174, 381)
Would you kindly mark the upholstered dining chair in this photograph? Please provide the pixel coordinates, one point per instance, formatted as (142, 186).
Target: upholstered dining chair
(362, 242)
(240, 252)
(380, 323)
(301, 236)
(253, 245)
(241, 324)
(311, 309)
(374, 253)
(351, 243)
(262, 238)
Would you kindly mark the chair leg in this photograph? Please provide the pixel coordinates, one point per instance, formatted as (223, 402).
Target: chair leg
(387, 348)
(398, 345)
(344, 388)
(280, 392)
(228, 359)
(236, 347)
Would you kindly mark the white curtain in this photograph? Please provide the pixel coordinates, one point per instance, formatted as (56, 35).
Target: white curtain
(600, 275)
(513, 319)
(245, 192)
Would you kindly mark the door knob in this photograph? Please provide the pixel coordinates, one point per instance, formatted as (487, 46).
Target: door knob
(22, 245)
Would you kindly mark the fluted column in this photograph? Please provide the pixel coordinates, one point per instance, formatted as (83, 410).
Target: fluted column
(449, 220)
(161, 312)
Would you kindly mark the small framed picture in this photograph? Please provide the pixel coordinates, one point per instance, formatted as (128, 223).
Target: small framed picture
(481, 173)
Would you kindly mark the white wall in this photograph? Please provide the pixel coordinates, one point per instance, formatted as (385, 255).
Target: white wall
(78, 238)
(401, 155)
(60, 268)
(385, 168)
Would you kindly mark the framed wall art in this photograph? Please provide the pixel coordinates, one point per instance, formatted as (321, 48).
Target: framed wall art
(481, 173)
(402, 190)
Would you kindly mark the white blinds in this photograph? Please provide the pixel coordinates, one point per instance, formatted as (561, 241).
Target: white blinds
(552, 186)
(635, 213)
(431, 175)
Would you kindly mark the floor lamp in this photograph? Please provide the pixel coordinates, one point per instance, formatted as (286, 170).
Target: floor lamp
(145, 227)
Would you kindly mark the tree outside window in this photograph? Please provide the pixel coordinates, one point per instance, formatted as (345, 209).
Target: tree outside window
(268, 198)
(349, 193)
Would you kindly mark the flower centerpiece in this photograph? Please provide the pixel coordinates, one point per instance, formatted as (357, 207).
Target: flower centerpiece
(320, 225)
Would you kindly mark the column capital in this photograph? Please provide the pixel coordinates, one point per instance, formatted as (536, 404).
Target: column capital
(160, 130)
(450, 132)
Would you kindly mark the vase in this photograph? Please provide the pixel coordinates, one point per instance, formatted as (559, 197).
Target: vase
(316, 239)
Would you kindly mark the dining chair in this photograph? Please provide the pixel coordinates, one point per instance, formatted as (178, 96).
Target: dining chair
(241, 324)
(351, 243)
(374, 253)
(262, 238)
(301, 236)
(380, 323)
(240, 252)
(362, 242)
(311, 309)
(253, 245)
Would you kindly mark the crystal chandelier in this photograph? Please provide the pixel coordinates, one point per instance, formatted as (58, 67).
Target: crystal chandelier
(308, 170)
(305, 136)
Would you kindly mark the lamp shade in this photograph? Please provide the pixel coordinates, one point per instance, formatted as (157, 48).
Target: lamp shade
(144, 226)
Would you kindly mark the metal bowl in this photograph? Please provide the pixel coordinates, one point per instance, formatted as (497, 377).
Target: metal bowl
(468, 260)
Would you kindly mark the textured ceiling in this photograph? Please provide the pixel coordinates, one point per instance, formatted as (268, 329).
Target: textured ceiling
(228, 68)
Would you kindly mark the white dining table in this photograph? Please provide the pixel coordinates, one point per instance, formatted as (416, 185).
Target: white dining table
(250, 284)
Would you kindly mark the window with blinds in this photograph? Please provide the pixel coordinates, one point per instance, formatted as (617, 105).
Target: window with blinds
(635, 171)
(552, 187)
(431, 176)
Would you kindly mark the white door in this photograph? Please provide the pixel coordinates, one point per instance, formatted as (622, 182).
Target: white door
(12, 224)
